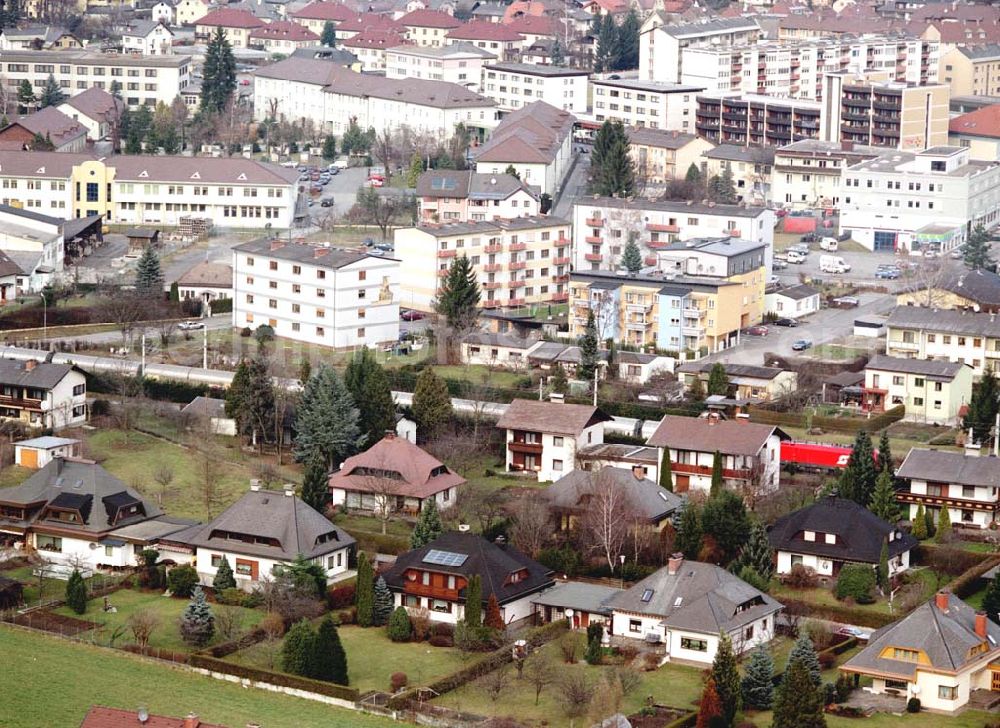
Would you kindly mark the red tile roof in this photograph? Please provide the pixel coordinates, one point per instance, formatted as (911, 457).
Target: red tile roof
(369, 22)
(284, 30)
(523, 7)
(535, 25)
(231, 18)
(984, 122)
(376, 39)
(425, 18)
(484, 30)
(322, 10)
(101, 717)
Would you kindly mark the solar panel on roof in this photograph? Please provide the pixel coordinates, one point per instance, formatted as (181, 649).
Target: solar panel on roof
(443, 183)
(444, 558)
(647, 595)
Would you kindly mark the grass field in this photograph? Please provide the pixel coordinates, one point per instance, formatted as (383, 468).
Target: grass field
(57, 681)
(925, 581)
(50, 588)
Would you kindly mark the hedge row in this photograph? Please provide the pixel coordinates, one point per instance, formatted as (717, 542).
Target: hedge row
(951, 560)
(248, 640)
(838, 613)
(968, 582)
(381, 543)
(839, 424)
(158, 389)
(206, 662)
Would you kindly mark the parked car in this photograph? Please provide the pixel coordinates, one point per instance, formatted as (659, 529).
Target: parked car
(786, 322)
(778, 263)
(888, 272)
(830, 245)
(957, 254)
(368, 242)
(410, 315)
(861, 634)
(802, 345)
(191, 325)
(794, 256)
(845, 302)
(376, 182)
(327, 202)
(757, 331)
(809, 238)
(384, 247)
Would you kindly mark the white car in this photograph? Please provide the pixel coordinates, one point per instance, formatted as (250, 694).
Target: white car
(191, 325)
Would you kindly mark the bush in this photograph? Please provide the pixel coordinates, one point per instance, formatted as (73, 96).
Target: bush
(100, 408)
(443, 629)
(252, 600)
(913, 705)
(339, 597)
(76, 593)
(397, 681)
(569, 646)
(400, 628)
(275, 678)
(273, 625)
(233, 597)
(441, 640)
(826, 660)
(245, 332)
(181, 580)
(563, 560)
(801, 577)
(856, 581)
(844, 686)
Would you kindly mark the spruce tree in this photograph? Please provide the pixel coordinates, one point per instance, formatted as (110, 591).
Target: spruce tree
(757, 553)
(884, 459)
(52, 93)
(431, 403)
(976, 253)
(558, 381)
(367, 382)
(197, 621)
(631, 256)
(250, 400)
(329, 147)
(76, 592)
(493, 618)
(218, 81)
(474, 601)
(718, 380)
(381, 603)
(757, 686)
(717, 482)
(726, 676)
(710, 709)
(882, 570)
(804, 654)
(315, 484)
(25, 96)
(428, 526)
(666, 474)
(920, 523)
(364, 592)
(799, 703)
(595, 651)
(148, 274)
(983, 407)
(857, 482)
(459, 298)
(588, 349)
(298, 651)
(616, 177)
(944, 531)
(400, 628)
(689, 532)
(329, 35)
(991, 599)
(883, 502)
(329, 661)
(724, 518)
(929, 521)
(326, 423)
(557, 55)
(224, 578)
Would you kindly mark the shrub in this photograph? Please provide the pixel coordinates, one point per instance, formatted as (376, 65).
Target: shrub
(628, 653)
(801, 577)
(252, 600)
(181, 580)
(400, 628)
(348, 616)
(273, 625)
(100, 408)
(443, 629)
(856, 581)
(913, 705)
(569, 646)
(442, 640)
(245, 332)
(420, 621)
(650, 661)
(233, 597)
(76, 593)
(339, 597)
(826, 660)
(844, 686)
(397, 681)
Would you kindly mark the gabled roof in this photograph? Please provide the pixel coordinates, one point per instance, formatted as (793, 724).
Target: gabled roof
(492, 562)
(362, 22)
(230, 18)
(941, 371)
(554, 417)
(536, 25)
(144, 28)
(950, 467)
(324, 10)
(95, 103)
(697, 597)
(413, 472)
(984, 122)
(798, 293)
(948, 321)
(208, 275)
(659, 138)
(205, 407)
(206, 170)
(860, 533)
(469, 184)
(282, 527)
(705, 434)
(52, 124)
(284, 30)
(425, 18)
(484, 30)
(533, 134)
(573, 492)
(41, 375)
(373, 38)
(746, 371)
(980, 286)
(319, 72)
(9, 266)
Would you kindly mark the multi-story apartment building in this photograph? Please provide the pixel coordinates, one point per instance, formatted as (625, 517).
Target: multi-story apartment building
(931, 391)
(332, 96)
(514, 85)
(751, 167)
(143, 79)
(795, 69)
(695, 315)
(917, 202)
(446, 195)
(318, 13)
(755, 120)
(894, 115)
(282, 37)
(972, 70)
(602, 227)
(662, 41)
(964, 483)
(957, 336)
(497, 38)
(518, 261)
(236, 23)
(316, 294)
(461, 63)
(808, 174)
(660, 155)
(428, 27)
(651, 104)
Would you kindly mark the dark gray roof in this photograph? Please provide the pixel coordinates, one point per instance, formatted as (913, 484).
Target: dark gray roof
(470, 184)
(950, 467)
(153, 529)
(505, 340)
(31, 215)
(948, 321)
(701, 434)
(661, 138)
(205, 407)
(326, 53)
(732, 370)
(286, 523)
(698, 597)
(737, 153)
(945, 636)
(44, 375)
(930, 368)
(578, 596)
(986, 51)
(534, 69)
(860, 533)
(618, 451)
(301, 253)
(845, 379)
(981, 286)
(574, 490)
(798, 293)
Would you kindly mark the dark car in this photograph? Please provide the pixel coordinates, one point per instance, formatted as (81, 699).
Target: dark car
(327, 202)
(790, 323)
(411, 315)
(809, 238)
(888, 273)
(802, 345)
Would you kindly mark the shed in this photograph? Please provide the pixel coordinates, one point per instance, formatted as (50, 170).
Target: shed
(39, 451)
(140, 238)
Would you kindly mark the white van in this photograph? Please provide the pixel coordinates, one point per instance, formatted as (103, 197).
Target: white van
(833, 264)
(794, 256)
(830, 245)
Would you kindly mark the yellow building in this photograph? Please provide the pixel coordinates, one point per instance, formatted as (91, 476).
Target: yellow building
(91, 183)
(661, 155)
(972, 70)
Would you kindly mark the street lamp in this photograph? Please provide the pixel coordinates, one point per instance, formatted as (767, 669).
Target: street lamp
(622, 558)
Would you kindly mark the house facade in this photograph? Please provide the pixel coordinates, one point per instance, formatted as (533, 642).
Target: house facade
(746, 381)
(467, 196)
(932, 391)
(515, 85)
(662, 155)
(971, 338)
(460, 63)
(793, 302)
(964, 483)
(42, 394)
(645, 104)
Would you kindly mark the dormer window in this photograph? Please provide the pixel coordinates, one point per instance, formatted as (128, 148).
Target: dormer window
(830, 537)
(809, 535)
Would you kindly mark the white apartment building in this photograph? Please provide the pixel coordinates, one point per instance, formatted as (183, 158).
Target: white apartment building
(796, 69)
(461, 63)
(148, 38)
(39, 181)
(650, 104)
(331, 96)
(316, 294)
(35, 243)
(661, 42)
(944, 335)
(915, 202)
(931, 391)
(601, 227)
(807, 174)
(143, 79)
(518, 261)
(513, 85)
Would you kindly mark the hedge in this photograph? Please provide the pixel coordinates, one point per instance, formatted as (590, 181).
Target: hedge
(839, 424)
(222, 305)
(967, 583)
(249, 639)
(382, 543)
(331, 690)
(960, 559)
(839, 613)
(158, 389)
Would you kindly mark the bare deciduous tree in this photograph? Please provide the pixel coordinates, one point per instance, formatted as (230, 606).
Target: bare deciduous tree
(131, 402)
(124, 308)
(495, 683)
(142, 625)
(532, 524)
(923, 281)
(607, 518)
(384, 487)
(163, 474)
(229, 621)
(210, 471)
(539, 672)
(575, 691)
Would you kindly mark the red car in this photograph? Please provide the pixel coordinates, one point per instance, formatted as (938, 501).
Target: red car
(411, 315)
(757, 331)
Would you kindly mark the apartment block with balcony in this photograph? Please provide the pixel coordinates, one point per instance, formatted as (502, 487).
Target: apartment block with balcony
(42, 394)
(753, 119)
(662, 42)
(932, 391)
(518, 261)
(807, 174)
(644, 104)
(601, 227)
(957, 336)
(964, 483)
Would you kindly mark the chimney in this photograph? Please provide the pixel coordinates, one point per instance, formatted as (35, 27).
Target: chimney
(847, 146)
(191, 721)
(320, 252)
(742, 418)
(674, 562)
(390, 435)
(981, 624)
(254, 485)
(639, 472)
(30, 364)
(713, 418)
(500, 541)
(275, 244)
(941, 600)
(289, 490)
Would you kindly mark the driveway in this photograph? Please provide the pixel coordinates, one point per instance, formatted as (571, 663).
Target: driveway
(343, 188)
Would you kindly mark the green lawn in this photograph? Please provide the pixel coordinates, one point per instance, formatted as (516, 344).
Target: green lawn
(924, 580)
(167, 610)
(480, 375)
(372, 658)
(835, 352)
(58, 681)
(50, 588)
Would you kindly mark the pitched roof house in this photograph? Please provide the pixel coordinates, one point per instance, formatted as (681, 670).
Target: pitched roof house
(50, 124)
(96, 109)
(42, 394)
(394, 474)
(836, 531)
(572, 495)
(686, 605)
(434, 577)
(931, 390)
(940, 652)
(964, 483)
(100, 716)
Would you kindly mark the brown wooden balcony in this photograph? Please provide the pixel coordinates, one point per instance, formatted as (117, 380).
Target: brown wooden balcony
(427, 590)
(738, 474)
(905, 496)
(530, 448)
(21, 403)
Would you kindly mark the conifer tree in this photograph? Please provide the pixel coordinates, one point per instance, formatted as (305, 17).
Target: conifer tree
(726, 676)
(944, 531)
(884, 460)
(25, 96)
(666, 473)
(882, 570)
(804, 653)
(459, 298)
(364, 593)
(329, 147)
(148, 274)
(493, 618)
(757, 686)
(326, 422)
(920, 523)
(368, 384)
(710, 710)
(197, 621)
(798, 703)
(717, 482)
(983, 407)
(558, 381)
(689, 532)
(428, 526)
(329, 35)
(929, 520)
(329, 660)
(431, 403)
(977, 253)
(76, 592)
(400, 628)
(588, 349)
(298, 651)
(224, 578)
(883, 502)
(557, 55)
(631, 256)
(381, 603)
(474, 601)
(718, 380)
(991, 599)
(315, 484)
(857, 481)
(52, 93)
(757, 553)
(218, 81)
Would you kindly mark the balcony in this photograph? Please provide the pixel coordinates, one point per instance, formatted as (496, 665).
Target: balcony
(560, 297)
(563, 242)
(515, 247)
(993, 353)
(565, 260)
(739, 474)
(21, 403)
(491, 303)
(903, 345)
(694, 331)
(519, 265)
(564, 278)
(492, 267)
(905, 496)
(427, 590)
(695, 313)
(516, 284)
(593, 257)
(657, 228)
(492, 285)
(593, 239)
(493, 248)
(658, 244)
(637, 325)
(594, 222)
(531, 448)
(638, 307)
(447, 253)
(515, 302)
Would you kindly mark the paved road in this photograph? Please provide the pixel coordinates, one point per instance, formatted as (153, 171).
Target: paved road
(113, 338)
(575, 188)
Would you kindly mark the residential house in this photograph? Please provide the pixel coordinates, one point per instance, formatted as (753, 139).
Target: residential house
(189, 12)
(371, 48)
(13, 281)
(807, 174)
(970, 290)
(37, 38)
(749, 451)
(33, 242)
(42, 394)
(315, 15)
(579, 492)
(163, 12)
(544, 437)
(645, 104)
(316, 294)
(497, 350)
(515, 85)
(793, 302)
(460, 63)
(579, 602)
(206, 282)
(662, 155)
(101, 717)
(148, 38)
(687, 605)
(754, 383)
(635, 458)
(934, 392)
(636, 367)
(435, 578)
(212, 412)
(38, 452)
(394, 475)
(265, 530)
(941, 653)
(237, 25)
(427, 27)
(978, 131)
(499, 39)
(46, 126)
(964, 483)
(958, 336)
(447, 195)
(96, 109)
(752, 167)
(282, 37)
(836, 531)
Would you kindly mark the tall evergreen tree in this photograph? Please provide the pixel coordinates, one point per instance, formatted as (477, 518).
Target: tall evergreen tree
(197, 621)
(224, 578)
(710, 709)
(315, 484)
(920, 523)
(459, 299)
(616, 176)
(666, 473)
(628, 41)
(722, 188)
(52, 93)
(381, 603)
(718, 380)
(689, 531)
(724, 518)
(631, 256)
(415, 170)
(368, 384)
(944, 531)
(218, 81)
(329, 660)
(804, 653)
(558, 381)
(428, 525)
(883, 502)
(757, 686)
(882, 570)
(799, 703)
(326, 423)
(148, 274)
(431, 403)
(717, 482)
(858, 478)
(250, 400)
(884, 458)
(929, 523)
(298, 651)
(609, 50)
(474, 601)
(726, 675)
(493, 618)
(991, 599)
(364, 592)
(588, 349)
(983, 407)
(976, 254)
(757, 552)
(329, 35)
(558, 54)
(25, 96)
(76, 592)
(329, 147)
